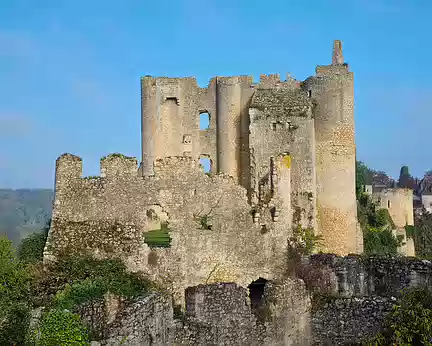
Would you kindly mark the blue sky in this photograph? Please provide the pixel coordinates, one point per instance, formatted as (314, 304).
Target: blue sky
(70, 70)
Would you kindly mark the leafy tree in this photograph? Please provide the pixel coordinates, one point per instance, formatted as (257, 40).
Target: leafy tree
(363, 177)
(422, 234)
(31, 248)
(377, 226)
(14, 311)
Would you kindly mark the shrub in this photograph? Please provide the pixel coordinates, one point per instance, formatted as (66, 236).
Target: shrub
(13, 295)
(61, 327)
(80, 292)
(302, 243)
(410, 321)
(86, 278)
(14, 322)
(380, 242)
(13, 276)
(31, 248)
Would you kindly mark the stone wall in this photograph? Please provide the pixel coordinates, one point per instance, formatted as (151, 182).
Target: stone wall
(374, 276)
(364, 291)
(349, 321)
(216, 314)
(108, 217)
(281, 123)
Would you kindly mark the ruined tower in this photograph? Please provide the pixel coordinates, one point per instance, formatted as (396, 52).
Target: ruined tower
(332, 89)
(252, 124)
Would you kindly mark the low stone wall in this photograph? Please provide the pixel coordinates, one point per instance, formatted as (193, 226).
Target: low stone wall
(349, 321)
(216, 314)
(358, 276)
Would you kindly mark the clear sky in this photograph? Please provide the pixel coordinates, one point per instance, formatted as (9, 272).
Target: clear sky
(70, 70)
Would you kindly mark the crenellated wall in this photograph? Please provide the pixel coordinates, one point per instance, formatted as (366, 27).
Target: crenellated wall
(107, 216)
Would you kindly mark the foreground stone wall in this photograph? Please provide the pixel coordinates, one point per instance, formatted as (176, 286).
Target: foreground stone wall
(374, 276)
(216, 314)
(349, 321)
(364, 290)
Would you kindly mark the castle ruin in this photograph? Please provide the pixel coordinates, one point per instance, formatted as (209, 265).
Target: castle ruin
(282, 154)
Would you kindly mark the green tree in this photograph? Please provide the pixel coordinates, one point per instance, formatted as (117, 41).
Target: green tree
(410, 321)
(14, 310)
(422, 234)
(363, 177)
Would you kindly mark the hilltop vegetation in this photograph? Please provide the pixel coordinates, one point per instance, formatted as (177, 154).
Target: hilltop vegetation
(24, 211)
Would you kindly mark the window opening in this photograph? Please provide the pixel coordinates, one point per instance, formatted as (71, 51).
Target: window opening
(204, 121)
(205, 163)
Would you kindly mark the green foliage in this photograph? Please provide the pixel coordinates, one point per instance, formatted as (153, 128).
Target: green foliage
(159, 237)
(13, 276)
(422, 235)
(79, 293)
(410, 321)
(110, 273)
(303, 242)
(377, 226)
(118, 155)
(204, 221)
(30, 250)
(13, 295)
(61, 327)
(15, 326)
(380, 242)
(363, 177)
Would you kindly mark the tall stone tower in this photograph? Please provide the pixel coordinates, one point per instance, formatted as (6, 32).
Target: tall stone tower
(332, 91)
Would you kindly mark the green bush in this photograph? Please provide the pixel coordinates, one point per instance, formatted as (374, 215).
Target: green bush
(13, 295)
(31, 248)
(13, 276)
(16, 322)
(79, 293)
(88, 279)
(61, 327)
(410, 321)
(379, 242)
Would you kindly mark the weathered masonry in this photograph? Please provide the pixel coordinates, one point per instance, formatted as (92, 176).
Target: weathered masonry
(282, 154)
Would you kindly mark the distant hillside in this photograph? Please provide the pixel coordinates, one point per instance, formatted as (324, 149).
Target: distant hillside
(24, 211)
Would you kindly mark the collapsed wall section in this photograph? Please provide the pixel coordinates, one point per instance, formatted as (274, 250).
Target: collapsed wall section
(208, 220)
(281, 124)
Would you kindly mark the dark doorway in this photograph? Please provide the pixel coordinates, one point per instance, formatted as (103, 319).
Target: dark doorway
(256, 294)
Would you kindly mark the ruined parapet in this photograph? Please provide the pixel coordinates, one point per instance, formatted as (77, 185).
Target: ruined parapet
(68, 167)
(118, 166)
(332, 92)
(169, 112)
(288, 313)
(281, 122)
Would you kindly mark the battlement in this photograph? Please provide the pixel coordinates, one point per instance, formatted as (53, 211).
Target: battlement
(115, 165)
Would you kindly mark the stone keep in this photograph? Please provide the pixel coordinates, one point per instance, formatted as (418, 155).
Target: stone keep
(250, 124)
(282, 155)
